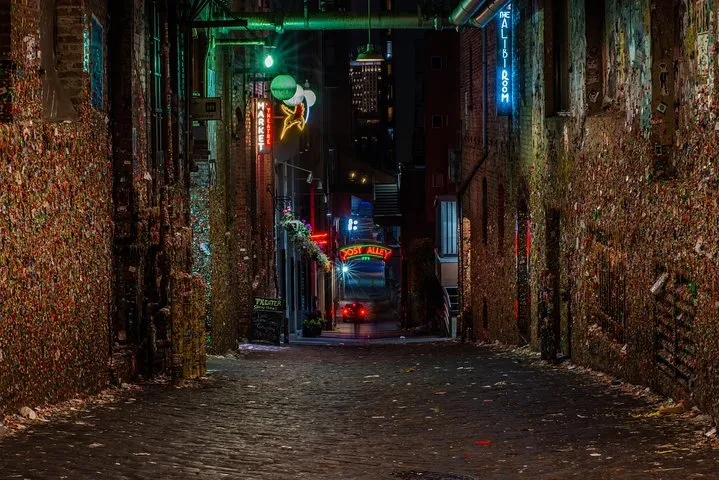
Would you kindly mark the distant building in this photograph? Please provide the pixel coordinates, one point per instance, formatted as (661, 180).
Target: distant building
(365, 78)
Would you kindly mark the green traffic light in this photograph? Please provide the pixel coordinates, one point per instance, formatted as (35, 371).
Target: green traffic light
(269, 61)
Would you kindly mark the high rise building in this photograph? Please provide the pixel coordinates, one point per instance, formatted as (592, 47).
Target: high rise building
(365, 78)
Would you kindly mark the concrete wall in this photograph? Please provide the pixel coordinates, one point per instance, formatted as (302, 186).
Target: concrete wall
(628, 173)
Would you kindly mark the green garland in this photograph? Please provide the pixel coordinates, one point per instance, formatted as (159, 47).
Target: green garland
(300, 235)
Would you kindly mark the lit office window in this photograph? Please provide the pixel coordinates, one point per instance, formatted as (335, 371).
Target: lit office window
(447, 224)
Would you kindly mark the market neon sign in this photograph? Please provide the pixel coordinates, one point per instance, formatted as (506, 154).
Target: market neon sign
(504, 61)
(362, 250)
(264, 126)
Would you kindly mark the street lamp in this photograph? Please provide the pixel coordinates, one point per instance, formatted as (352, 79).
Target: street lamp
(369, 54)
(269, 61)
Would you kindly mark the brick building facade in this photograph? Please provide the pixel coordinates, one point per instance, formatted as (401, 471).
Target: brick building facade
(589, 211)
(95, 220)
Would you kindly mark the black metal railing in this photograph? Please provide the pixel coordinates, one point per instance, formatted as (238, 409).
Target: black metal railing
(674, 319)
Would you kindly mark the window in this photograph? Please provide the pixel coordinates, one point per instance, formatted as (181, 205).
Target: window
(594, 30)
(447, 227)
(390, 114)
(485, 226)
(156, 84)
(436, 63)
(436, 121)
(500, 219)
(389, 49)
(556, 58)
(63, 35)
(97, 64)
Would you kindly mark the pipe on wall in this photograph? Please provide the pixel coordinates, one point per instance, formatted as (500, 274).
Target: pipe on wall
(326, 21)
(488, 12)
(482, 10)
(465, 10)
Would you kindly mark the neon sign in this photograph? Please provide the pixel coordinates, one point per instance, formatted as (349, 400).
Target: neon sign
(354, 252)
(264, 126)
(504, 61)
(320, 239)
(294, 117)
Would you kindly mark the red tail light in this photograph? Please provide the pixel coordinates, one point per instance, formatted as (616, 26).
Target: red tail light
(363, 312)
(344, 311)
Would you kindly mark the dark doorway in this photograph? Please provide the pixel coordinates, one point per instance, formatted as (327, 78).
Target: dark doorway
(522, 244)
(554, 267)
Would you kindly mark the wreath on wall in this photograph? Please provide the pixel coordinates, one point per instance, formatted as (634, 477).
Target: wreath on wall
(300, 235)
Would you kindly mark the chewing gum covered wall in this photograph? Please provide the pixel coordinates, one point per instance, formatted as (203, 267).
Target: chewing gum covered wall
(55, 208)
(632, 173)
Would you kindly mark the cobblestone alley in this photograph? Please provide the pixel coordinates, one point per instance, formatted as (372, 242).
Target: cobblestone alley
(439, 411)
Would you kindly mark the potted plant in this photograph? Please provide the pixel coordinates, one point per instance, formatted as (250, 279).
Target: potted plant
(313, 325)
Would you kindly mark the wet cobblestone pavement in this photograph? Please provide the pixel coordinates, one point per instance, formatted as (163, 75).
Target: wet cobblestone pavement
(440, 412)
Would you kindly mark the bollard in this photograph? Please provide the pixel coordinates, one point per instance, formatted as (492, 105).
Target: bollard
(286, 326)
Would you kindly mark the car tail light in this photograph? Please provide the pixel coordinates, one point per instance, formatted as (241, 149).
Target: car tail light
(344, 311)
(363, 312)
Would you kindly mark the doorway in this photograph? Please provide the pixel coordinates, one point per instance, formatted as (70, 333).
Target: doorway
(561, 313)
(522, 246)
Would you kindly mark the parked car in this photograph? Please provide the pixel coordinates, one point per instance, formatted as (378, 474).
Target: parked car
(354, 312)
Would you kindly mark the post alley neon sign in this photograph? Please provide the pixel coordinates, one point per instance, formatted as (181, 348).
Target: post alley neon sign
(264, 126)
(358, 251)
(504, 61)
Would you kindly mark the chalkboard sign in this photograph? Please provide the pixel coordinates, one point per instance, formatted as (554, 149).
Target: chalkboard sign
(267, 314)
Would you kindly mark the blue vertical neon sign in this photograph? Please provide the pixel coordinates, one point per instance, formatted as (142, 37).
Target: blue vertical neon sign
(504, 61)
